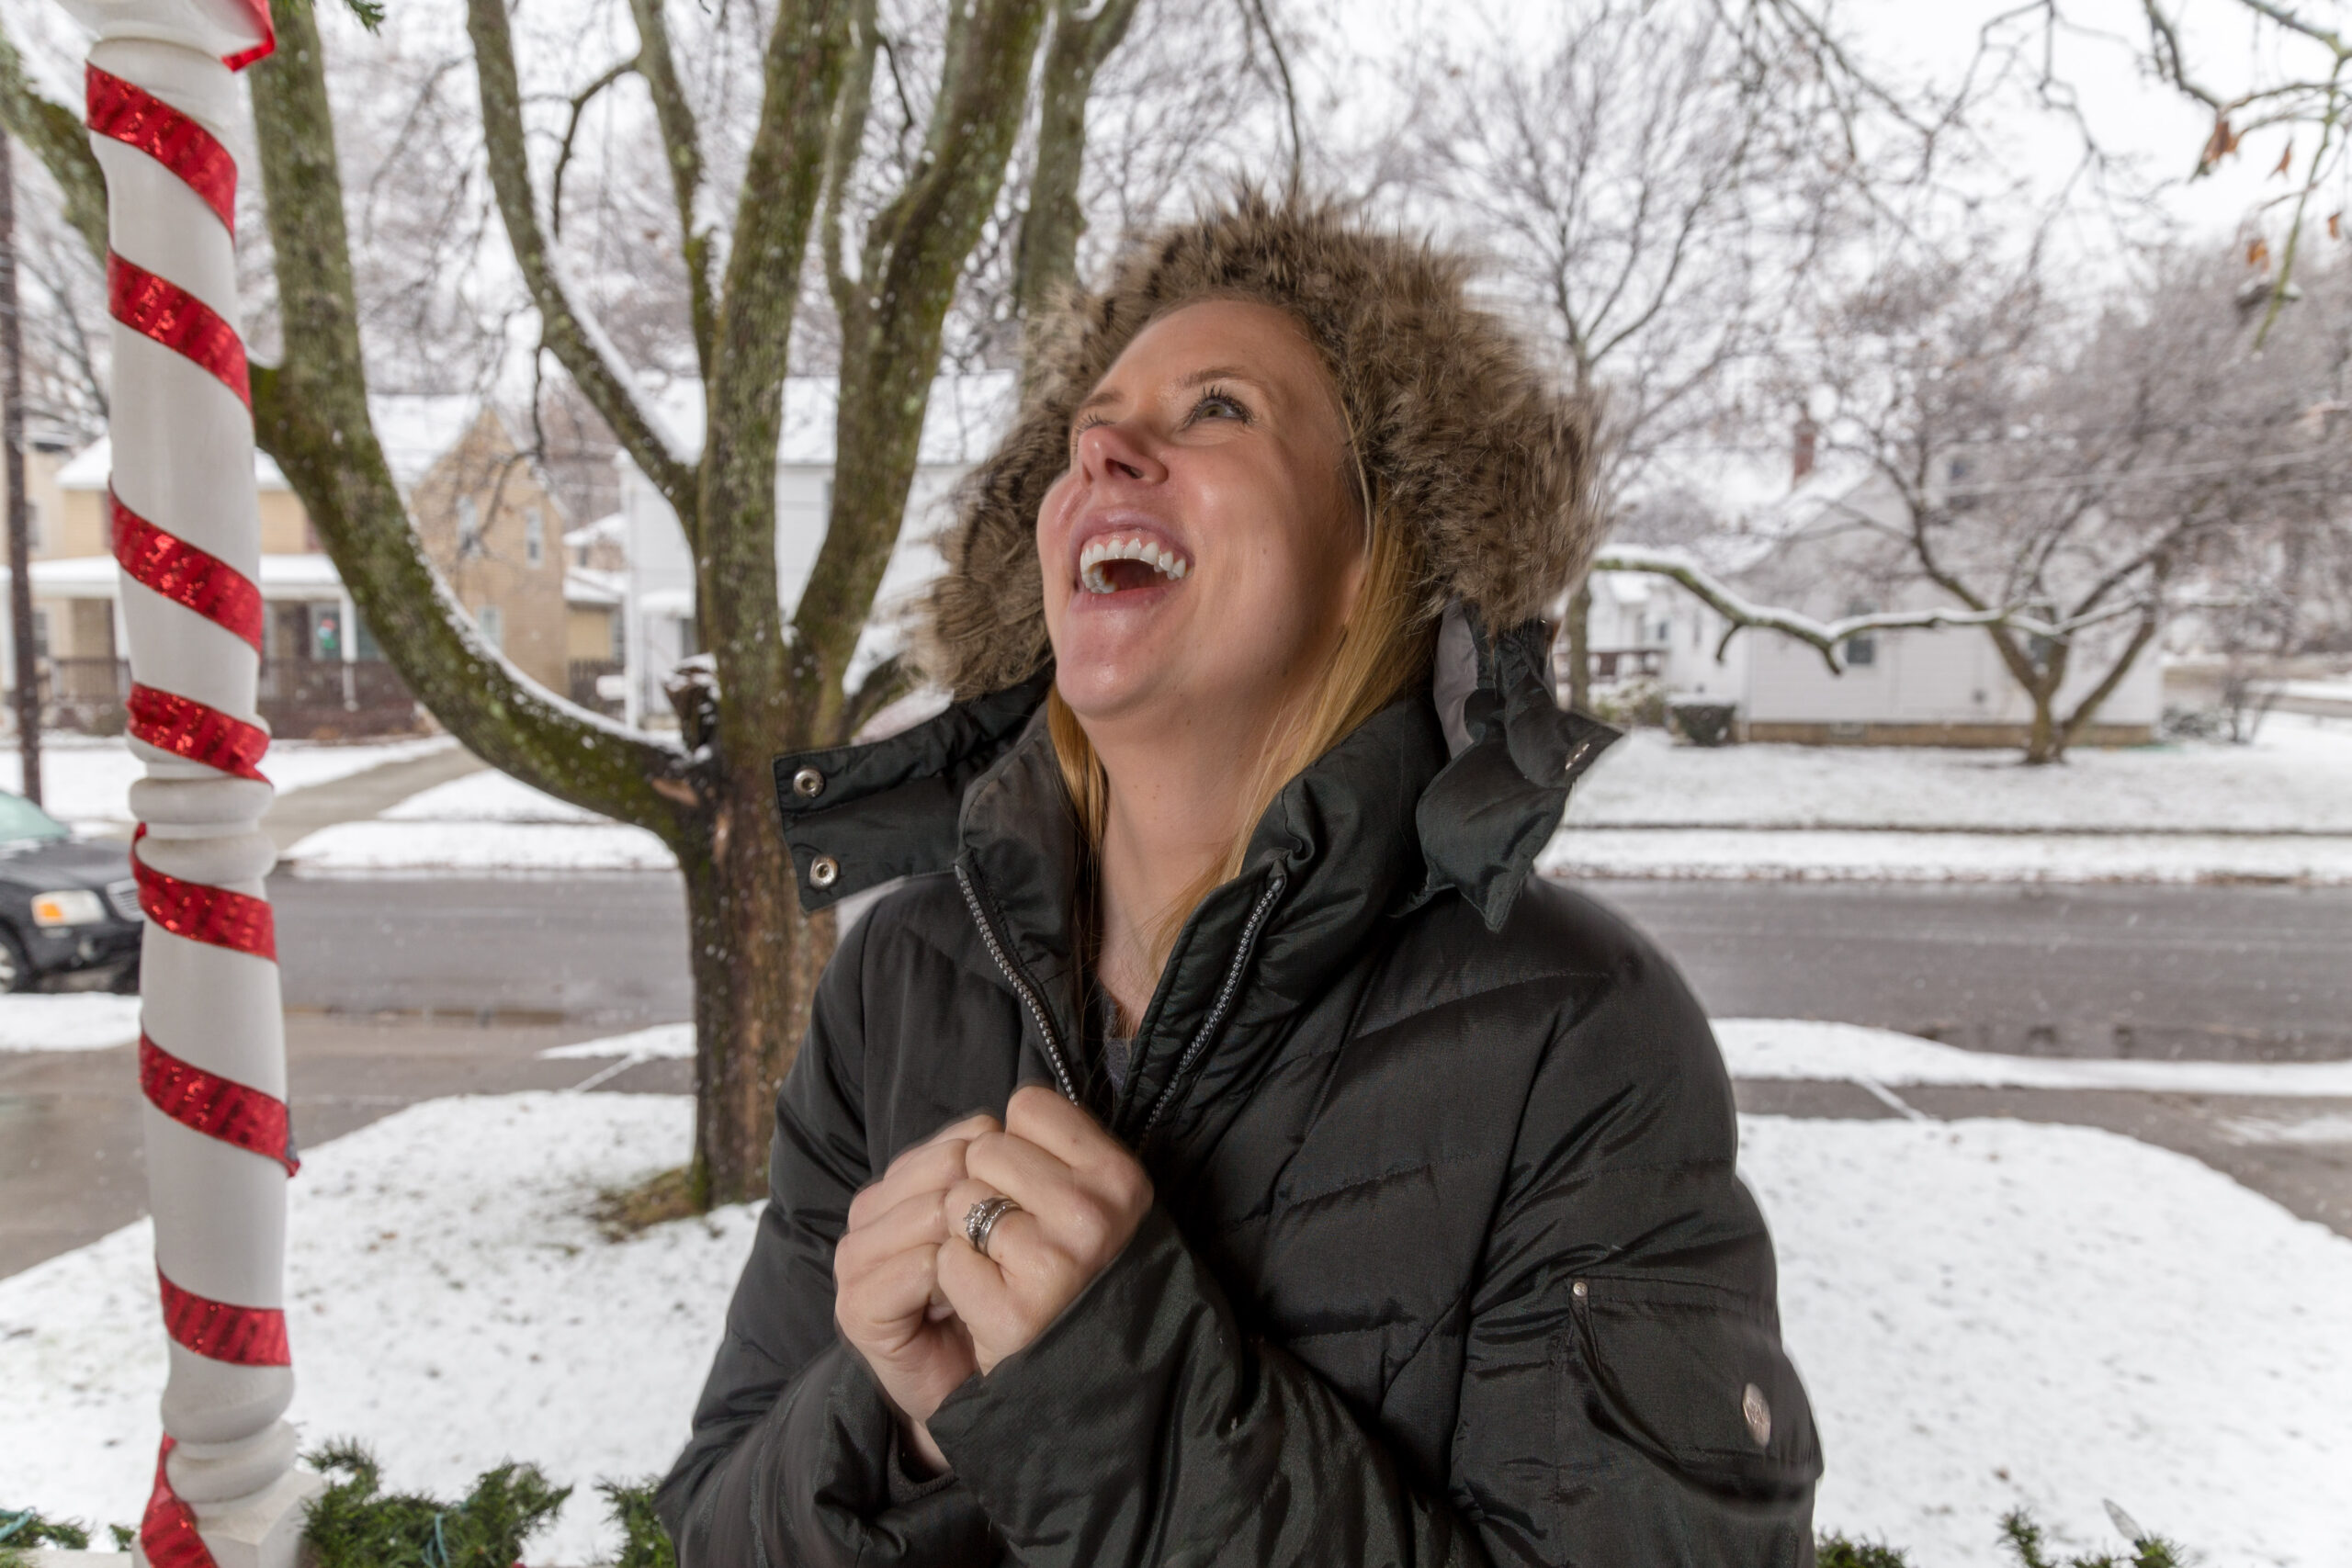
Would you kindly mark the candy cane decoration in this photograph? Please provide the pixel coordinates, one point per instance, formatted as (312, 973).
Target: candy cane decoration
(162, 111)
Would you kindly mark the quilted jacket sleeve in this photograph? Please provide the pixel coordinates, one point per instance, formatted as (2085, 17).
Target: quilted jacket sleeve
(1623, 1399)
(793, 1459)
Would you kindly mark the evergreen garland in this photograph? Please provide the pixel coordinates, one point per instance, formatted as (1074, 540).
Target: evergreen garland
(644, 1544)
(355, 1525)
(20, 1532)
(1836, 1551)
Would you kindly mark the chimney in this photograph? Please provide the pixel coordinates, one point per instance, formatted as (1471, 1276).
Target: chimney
(1808, 435)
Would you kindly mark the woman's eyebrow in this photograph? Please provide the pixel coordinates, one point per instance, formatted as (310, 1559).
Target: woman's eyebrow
(1200, 378)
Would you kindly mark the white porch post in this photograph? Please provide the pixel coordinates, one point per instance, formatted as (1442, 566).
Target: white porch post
(165, 120)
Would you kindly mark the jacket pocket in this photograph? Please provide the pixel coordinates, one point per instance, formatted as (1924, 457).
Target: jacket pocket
(1695, 1379)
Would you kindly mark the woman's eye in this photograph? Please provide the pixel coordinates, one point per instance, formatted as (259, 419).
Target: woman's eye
(1220, 405)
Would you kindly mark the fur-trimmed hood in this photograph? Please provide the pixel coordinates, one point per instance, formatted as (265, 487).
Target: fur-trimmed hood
(1460, 435)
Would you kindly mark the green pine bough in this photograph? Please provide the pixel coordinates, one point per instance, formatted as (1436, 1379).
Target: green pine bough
(2025, 1540)
(355, 1524)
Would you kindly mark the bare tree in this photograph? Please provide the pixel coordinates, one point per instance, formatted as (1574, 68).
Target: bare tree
(2068, 477)
(743, 199)
(1648, 185)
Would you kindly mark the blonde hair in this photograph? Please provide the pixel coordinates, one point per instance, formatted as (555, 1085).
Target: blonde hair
(1383, 647)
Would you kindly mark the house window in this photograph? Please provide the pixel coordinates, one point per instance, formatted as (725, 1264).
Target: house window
(363, 638)
(535, 537)
(618, 633)
(1860, 652)
(35, 539)
(493, 622)
(469, 527)
(40, 631)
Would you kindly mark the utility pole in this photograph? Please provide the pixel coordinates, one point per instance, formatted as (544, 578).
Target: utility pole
(12, 434)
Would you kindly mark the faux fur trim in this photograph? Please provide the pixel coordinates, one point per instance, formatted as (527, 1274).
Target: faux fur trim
(1462, 436)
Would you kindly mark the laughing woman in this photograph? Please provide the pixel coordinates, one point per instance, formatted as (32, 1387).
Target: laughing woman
(1341, 1194)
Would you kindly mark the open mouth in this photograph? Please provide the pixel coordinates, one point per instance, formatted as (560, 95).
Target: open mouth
(1114, 563)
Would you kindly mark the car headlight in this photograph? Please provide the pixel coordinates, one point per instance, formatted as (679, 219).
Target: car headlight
(73, 907)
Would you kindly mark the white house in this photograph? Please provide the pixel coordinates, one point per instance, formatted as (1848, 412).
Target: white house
(966, 415)
(1814, 552)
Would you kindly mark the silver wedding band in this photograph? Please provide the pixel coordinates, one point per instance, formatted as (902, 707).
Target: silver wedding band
(979, 1220)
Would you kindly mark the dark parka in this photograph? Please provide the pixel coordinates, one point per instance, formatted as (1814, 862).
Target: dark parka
(1448, 1262)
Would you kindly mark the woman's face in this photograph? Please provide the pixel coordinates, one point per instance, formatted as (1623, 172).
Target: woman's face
(1204, 548)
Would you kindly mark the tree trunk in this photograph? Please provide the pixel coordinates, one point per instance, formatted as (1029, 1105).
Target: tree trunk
(1579, 634)
(756, 958)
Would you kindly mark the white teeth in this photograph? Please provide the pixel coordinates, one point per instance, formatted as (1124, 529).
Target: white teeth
(1109, 548)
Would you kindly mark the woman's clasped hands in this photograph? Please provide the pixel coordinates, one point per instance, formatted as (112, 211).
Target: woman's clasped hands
(921, 1306)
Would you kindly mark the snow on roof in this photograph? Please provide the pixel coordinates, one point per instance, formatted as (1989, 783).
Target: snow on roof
(97, 577)
(582, 585)
(90, 467)
(417, 431)
(966, 416)
(614, 526)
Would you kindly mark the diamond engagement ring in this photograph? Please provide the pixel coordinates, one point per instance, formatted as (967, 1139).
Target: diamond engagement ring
(979, 1220)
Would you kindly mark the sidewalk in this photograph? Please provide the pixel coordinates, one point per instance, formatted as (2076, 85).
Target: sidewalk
(299, 813)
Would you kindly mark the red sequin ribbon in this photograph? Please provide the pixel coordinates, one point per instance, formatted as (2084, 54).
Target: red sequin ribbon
(216, 915)
(217, 1107)
(258, 13)
(158, 308)
(125, 112)
(187, 576)
(186, 728)
(168, 1531)
(244, 1337)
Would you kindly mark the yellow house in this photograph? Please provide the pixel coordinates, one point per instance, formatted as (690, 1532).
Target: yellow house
(480, 506)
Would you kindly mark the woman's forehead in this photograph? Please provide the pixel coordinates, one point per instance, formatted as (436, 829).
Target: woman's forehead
(1213, 339)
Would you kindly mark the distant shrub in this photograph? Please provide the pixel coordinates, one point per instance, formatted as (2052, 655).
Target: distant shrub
(1703, 724)
(1637, 704)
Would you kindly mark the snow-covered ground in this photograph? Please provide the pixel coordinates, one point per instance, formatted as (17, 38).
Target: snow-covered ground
(1731, 853)
(483, 823)
(1787, 1048)
(2296, 777)
(86, 780)
(1987, 1313)
(82, 1020)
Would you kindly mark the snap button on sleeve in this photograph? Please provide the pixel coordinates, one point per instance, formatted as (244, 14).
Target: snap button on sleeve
(1757, 1414)
(808, 784)
(824, 870)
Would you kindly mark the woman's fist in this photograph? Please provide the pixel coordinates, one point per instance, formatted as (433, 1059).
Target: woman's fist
(1081, 1197)
(886, 1297)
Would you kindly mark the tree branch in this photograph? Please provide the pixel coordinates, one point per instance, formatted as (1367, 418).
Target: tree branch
(577, 343)
(311, 415)
(681, 145)
(578, 106)
(1824, 635)
(55, 134)
(915, 251)
(1047, 259)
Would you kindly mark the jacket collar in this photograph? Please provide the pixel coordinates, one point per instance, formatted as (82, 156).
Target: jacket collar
(1452, 791)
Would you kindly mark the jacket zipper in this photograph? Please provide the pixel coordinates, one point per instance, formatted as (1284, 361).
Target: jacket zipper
(1019, 982)
(1225, 994)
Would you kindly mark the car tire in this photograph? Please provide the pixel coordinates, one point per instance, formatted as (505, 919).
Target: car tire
(17, 972)
(126, 980)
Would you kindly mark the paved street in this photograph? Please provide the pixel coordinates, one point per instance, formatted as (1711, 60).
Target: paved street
(2245, 973)
(403, 990)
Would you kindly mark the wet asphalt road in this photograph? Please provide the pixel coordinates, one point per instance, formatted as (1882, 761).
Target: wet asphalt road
(2232, 972)
(405, 990)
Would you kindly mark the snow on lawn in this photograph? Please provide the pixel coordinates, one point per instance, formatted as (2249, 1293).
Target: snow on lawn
(450, 1304)
(1991, 1314)
(86, 780)
(1793, 1048)
(483, 823)
(1987, 1313)
(2297, 775)
(81, 1021)
(1796, 855)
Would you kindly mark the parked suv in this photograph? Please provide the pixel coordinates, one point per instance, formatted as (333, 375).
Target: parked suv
(67, 905)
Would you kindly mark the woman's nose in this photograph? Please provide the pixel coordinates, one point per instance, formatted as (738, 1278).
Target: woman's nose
(1112, 451)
